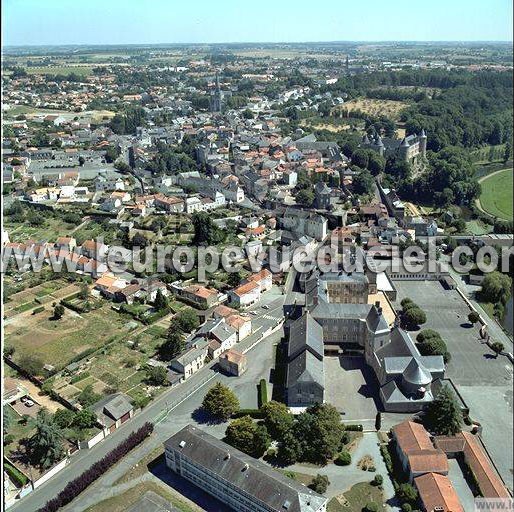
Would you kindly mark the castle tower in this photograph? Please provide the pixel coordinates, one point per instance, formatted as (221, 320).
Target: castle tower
(380, 145)
(347, 63)
(423, 143)
(404, 149)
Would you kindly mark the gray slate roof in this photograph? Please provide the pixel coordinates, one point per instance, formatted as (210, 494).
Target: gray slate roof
(251, 476)
(305, 334)
(305, 368)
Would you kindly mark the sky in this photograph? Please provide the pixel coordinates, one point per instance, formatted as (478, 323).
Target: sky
(54, 22)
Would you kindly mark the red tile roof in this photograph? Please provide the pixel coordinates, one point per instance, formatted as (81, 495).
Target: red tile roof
(437, 491)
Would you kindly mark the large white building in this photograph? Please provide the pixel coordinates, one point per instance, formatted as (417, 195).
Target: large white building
(243, 483)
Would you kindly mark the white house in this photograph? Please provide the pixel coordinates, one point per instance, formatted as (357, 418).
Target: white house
(245, 295)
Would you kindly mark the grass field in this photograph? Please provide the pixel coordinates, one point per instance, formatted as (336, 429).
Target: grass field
(59, 70)
(57, 342)
(122, 502)
(496, 197)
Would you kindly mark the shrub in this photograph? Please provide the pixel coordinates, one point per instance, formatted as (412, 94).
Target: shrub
(371, 507)
(406, 507)
(79, 484)
(40, 309)
(320, 484)
(387, 458)
(15, 475)
(343, 459)
(353, 428)
(408, 493)
(378, 480)
(263, 393)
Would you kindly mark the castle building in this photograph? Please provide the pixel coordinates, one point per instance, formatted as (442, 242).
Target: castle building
(409, 148)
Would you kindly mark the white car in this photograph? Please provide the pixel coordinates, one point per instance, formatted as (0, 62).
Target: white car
(266, 306)
(28, 402)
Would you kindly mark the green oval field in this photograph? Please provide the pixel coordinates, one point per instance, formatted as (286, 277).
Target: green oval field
(496, 196)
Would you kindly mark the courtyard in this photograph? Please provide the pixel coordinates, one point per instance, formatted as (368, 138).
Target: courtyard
(351, 387)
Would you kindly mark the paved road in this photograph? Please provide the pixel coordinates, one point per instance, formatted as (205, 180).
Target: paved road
(172, 409)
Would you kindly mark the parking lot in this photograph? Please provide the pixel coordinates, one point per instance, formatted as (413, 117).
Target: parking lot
(350, 387)
(472, 362)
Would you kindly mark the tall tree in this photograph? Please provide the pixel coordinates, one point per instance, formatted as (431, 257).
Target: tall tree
(444, 416)
(220, 402)
(174, 345)
(46, 445)
(160, 302)
(248, 436)
(277, 418)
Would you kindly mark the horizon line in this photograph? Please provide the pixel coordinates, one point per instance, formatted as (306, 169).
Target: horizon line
(337, 41)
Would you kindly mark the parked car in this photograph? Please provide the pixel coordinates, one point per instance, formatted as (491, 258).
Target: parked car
(266, 306)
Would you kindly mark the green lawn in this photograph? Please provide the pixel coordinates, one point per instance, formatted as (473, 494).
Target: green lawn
(496, 197)
(356, 498)
(59, 70)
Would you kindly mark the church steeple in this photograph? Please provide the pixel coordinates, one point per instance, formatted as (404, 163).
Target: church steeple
(217, 96)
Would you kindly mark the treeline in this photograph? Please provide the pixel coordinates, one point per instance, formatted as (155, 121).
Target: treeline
(174, 159)
(450, 179)
(126, 122)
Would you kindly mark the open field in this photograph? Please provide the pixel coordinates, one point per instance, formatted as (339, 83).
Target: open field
(50, 230)
(496, 197)
(374, 107)
(60, 70)
(59, 341)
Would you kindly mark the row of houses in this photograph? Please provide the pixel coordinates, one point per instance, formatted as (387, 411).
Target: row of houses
(250, 291)
(214, 339)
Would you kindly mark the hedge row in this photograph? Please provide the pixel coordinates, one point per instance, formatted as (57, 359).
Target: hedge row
(263, 393)
(79, 484)
(353, 428)
(15, 475)
(147, 320)
(40, 309)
